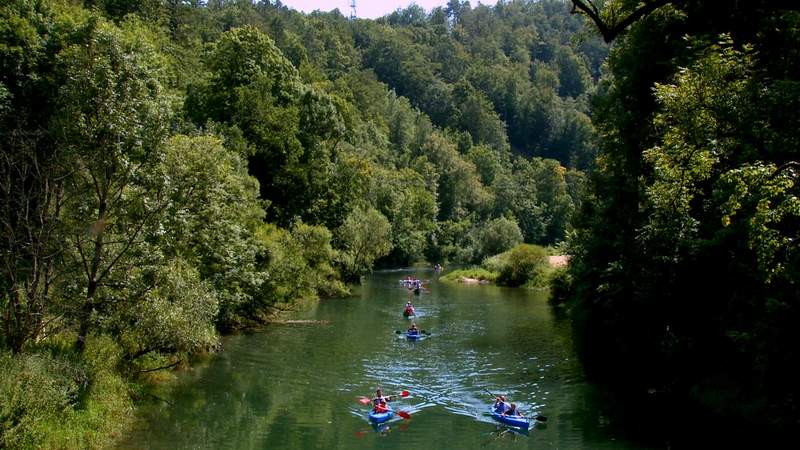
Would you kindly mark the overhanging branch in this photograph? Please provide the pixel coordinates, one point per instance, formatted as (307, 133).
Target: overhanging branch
(610, 31)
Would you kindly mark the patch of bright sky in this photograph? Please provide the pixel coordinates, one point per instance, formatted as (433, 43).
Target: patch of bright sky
(365, 9)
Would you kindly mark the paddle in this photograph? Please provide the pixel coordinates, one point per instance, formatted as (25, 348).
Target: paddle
(425, 332)
(538, 417)
(367, 401)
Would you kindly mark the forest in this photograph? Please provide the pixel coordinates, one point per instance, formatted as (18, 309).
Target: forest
(173, 170)
(683, 286)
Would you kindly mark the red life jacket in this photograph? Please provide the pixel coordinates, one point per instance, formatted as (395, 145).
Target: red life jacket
(381, 408)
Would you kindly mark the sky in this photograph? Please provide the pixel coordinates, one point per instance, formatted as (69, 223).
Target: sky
(365, 9)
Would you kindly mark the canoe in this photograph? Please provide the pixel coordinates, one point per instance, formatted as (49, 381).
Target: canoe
(380, 417)
(514, 421)
(414, 337)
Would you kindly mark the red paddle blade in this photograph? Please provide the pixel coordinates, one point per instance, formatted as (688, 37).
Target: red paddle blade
(404, 415)
(404, 394)
(364, 401)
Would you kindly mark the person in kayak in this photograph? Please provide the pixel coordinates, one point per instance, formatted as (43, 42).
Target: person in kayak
(409, 309)
(381, 399)
(513, 411)
(414, 331)
(381, 407)
(500, 405)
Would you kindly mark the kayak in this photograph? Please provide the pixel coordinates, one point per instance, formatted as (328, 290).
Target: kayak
(414, 337)
(408, 312)
(380, 417)
(514, 421)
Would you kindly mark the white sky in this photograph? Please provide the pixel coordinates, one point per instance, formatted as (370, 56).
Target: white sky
(365, 9)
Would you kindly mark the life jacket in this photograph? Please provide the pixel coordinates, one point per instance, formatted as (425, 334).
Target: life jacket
(381, 408)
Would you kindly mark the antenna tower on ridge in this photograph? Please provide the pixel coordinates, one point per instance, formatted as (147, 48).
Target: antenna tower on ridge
(353, 10)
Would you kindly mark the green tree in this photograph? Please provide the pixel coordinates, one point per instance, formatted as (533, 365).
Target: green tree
(497, 236)
(112, 119)
(364, 237)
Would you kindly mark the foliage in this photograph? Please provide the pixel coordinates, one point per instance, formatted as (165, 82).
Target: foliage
(364, 237)
(684, 253)
(171, 170)
(524, 264)
(498, 236)
(476, 273)
(51, 401)
(300, 263)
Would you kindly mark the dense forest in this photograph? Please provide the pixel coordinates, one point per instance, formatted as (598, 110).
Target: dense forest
(683, 285)
(174, 169)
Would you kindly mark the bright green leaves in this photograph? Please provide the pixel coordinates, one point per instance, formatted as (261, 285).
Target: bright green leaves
(244, 55)
(176, 314)
(764, 199)
(300, 266)
(700, 116)
(364, 237)
(203, 180)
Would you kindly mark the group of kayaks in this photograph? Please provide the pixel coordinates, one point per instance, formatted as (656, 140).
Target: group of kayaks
(511, 420)
(379, 417)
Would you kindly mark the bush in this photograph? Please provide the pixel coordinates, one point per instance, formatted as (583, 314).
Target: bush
(33, 389)
(560, 282)
(523, 265)
(53, 399)
(498, 236)
(476, 273)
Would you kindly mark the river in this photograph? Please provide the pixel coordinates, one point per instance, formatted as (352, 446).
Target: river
(295, 385)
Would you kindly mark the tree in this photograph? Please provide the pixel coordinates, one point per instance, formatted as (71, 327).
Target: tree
(112, 120)
(497, 236)
(364, 237)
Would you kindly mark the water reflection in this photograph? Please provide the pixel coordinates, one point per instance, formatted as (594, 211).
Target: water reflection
(296, 385)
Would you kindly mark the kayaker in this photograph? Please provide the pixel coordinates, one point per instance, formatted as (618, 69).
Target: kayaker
(512, 411)
(500, 404)
(380, 398)
(413, 330)
(381, 407)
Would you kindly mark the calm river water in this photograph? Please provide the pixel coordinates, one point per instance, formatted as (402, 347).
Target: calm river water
(295, 385)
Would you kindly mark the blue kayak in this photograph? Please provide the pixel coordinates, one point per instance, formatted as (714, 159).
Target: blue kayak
(414, 337)
(380, 417)
(514, 421)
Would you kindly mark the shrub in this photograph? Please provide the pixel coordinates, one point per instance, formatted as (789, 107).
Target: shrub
(33, 389)
(476, 273)
(524, 264)
(498, 236)
(53, 399)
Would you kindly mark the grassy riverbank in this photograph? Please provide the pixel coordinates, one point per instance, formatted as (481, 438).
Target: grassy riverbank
(525, 265)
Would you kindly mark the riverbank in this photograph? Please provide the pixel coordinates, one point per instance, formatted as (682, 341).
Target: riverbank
(524, 265)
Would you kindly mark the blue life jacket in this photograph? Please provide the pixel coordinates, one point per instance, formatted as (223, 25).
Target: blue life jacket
(502, 407)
